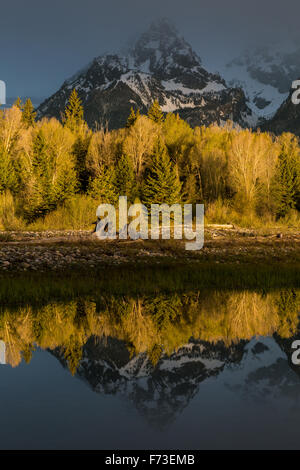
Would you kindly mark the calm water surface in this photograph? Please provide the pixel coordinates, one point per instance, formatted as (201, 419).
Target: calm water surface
(201, 370)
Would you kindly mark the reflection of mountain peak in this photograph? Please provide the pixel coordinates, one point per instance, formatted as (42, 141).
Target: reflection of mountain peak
(255, 369)
(158, 392)
(264, 373)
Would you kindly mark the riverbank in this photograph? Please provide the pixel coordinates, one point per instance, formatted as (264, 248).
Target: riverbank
(37, 267)
(82, 251)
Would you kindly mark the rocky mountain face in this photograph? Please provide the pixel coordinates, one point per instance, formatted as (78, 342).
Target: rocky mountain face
(266, 75)
(162, 66)
(286, 119)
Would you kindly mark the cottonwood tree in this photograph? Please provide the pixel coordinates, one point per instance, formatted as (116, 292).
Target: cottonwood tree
(208, 161)
(246, 168)
(139, 143)
(103, 150)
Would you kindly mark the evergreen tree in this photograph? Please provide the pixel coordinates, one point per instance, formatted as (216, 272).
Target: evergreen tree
(162, 184)
(73, 117)
(52, 177)
(8, 177)
(73, 354)
(39, 201)
(155, 354)
(29, 115)
(286, 184)
(155, 113)
(27, 352)
(102, 187)
(133, 116)
(125, 178)
(18, 103)
(80, 151)
(65, 184)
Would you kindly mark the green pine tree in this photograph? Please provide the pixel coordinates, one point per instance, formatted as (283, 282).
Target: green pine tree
(102, 187)
(27, 352)
(73, 117)
(162, 184)
(155, 354)
(29, 115)
(51, 180)
(133, 116)
(8, 177)
(80, 151)
(39, 200)
(155, 113)
(73, 354)
(286, 183)
(18, 103)
(191, 192)
(125, 179)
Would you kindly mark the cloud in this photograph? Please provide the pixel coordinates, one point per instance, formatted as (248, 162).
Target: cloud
(42, 43)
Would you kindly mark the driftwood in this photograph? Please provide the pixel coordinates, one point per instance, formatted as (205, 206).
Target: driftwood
(224, 226)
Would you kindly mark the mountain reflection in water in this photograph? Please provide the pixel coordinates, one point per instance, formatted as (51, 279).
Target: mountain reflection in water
(157, 352)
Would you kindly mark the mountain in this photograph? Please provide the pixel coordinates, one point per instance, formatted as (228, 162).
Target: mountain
(286, 119)
(266, 75)
(161, 65)
(258, 369)
(161, 392)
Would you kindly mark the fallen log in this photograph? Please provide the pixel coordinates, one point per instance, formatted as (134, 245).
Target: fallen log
(219, 226)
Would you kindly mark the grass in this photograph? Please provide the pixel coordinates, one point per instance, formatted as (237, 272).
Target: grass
(39, 288)
(222, 212)
(79, 213)
(5, 237)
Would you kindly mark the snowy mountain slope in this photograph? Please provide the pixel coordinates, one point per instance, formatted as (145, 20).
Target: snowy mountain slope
(161, 66)
(286, 118)
(266, 75)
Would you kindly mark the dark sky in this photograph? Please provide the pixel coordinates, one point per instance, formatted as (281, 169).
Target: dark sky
(44, 42)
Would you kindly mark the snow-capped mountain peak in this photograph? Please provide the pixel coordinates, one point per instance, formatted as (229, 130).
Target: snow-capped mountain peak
(161, 51)
(162, 66)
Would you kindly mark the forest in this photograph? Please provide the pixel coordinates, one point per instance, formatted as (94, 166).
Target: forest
(54, 173)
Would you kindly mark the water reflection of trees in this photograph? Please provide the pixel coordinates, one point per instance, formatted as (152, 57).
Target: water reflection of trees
(153, 325)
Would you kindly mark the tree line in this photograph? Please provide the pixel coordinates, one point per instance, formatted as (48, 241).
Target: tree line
(157, 324)
(155, 158)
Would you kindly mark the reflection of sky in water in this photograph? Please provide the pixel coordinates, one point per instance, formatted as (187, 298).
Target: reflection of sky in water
(191, 371)
(250, 402)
